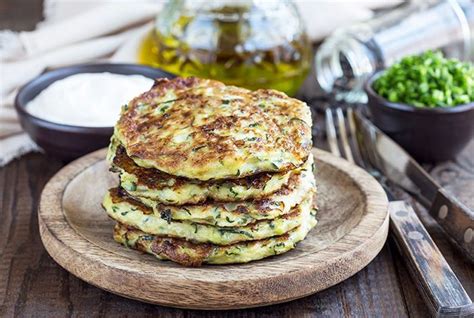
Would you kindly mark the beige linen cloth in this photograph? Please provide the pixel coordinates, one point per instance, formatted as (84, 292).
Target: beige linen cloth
(85, 31)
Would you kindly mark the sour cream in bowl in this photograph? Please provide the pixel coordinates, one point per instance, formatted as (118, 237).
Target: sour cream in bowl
(71, 111)
(87, 99)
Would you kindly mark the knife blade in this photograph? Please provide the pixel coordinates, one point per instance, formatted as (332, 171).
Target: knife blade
(455, 218)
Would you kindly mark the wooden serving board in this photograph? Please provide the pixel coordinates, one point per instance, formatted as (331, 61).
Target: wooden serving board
(77, 233)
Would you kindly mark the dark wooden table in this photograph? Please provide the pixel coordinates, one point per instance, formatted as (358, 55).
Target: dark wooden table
(33, 285)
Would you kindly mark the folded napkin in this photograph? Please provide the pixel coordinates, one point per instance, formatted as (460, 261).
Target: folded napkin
(76, 32)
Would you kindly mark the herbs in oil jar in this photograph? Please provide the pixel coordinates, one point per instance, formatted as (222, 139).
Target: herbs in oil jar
(253, 44)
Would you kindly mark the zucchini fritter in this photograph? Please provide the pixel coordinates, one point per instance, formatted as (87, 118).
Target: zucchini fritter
(127, 211)
(234, 214)
(191, 254)
(159, 186)
(202, 129)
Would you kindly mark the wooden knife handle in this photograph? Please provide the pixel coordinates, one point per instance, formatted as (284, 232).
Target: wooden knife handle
(456, 219)
(437, 283)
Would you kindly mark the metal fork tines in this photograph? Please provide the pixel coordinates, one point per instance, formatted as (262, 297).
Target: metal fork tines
(348, 139)
(355, 150)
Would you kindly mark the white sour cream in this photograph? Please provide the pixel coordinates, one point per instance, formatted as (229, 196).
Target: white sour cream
(88, 99)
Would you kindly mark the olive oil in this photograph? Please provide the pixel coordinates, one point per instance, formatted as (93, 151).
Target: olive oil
(228, 46)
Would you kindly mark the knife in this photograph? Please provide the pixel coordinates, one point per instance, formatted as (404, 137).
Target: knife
(455, 218)
(443, 293)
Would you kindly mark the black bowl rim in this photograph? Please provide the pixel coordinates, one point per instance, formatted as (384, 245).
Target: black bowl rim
(58, 73)
(410, 108)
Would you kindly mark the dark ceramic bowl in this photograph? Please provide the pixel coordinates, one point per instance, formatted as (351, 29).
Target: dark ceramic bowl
(65, 141)
(428, 134)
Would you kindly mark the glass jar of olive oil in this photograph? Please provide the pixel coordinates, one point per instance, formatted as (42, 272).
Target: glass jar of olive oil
(254, 44)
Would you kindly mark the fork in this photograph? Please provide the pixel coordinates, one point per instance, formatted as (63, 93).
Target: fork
(437, 283)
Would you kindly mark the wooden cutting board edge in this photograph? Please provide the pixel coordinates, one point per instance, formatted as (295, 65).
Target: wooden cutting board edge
(73, 253)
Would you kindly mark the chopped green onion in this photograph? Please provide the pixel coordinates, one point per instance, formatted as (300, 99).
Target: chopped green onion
(428, 80)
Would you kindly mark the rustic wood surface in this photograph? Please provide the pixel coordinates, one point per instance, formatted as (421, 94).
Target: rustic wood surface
(352, 229)
(32, 284)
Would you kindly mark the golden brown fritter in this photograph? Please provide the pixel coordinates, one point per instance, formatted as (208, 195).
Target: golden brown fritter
(202, 129)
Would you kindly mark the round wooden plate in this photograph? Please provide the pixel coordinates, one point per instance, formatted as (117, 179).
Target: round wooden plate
(352, 228)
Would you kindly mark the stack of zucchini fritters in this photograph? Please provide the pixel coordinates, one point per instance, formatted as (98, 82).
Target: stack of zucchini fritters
(211, 173)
